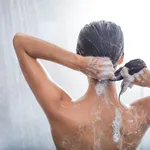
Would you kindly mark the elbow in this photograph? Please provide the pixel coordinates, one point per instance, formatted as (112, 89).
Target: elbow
(17, 40)
(17, 37)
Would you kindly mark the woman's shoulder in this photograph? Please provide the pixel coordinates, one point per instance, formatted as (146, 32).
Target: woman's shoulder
(141, 109)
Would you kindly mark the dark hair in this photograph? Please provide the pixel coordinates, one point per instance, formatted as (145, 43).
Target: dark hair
(103, 39)
(134, 66)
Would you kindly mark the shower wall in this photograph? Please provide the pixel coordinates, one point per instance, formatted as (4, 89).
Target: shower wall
(23, 125)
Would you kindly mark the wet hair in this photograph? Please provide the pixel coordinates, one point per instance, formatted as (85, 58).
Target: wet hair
(105, 39)
(102, 39)
(134, 66)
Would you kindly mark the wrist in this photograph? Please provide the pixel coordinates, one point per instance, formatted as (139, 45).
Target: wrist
(82, 63)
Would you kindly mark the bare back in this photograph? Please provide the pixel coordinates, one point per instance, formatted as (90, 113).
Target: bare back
(96, 125)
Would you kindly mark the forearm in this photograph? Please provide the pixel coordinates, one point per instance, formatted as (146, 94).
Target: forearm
(37, 48)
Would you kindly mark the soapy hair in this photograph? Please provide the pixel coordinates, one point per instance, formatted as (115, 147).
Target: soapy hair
(105, 39)
(101, 39)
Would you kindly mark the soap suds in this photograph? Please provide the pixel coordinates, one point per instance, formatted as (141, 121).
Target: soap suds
(128, 79)
(100, 88)
(116, 126)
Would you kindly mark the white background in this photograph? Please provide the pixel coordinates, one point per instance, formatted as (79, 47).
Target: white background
(23, 125)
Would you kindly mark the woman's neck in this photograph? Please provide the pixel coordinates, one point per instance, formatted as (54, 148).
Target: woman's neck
(103, 89)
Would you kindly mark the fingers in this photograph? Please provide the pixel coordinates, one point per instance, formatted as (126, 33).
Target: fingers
(98, 62)
(106, 70)
(138, 77)
(100, 68)
(105, 62)
(105, 75)
(145, 70)
(142, 78)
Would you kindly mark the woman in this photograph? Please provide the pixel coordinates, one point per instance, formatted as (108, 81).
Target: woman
(97, 121)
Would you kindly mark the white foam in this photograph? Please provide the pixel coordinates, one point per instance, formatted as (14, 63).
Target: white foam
(124, 72)
(116, 125)
(106, 62)
(105, 75)
(100, 88)
(65, 141)
(128, 77)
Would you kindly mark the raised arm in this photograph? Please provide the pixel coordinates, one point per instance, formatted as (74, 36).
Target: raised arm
(143, 105)
(48, 94)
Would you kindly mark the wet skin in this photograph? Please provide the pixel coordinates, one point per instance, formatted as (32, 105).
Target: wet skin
(87, 123)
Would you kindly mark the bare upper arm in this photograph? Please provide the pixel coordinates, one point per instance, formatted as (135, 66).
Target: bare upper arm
(45, 90)
(143, 107)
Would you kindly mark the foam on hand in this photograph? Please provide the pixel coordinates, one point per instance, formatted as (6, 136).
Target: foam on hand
(128, 79)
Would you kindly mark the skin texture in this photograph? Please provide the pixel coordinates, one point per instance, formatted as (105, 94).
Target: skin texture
(86, 124)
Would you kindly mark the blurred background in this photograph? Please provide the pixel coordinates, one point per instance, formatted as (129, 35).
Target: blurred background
(23, 125)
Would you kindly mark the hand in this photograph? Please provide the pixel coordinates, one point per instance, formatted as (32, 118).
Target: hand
(99, 68)
(142, 78)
